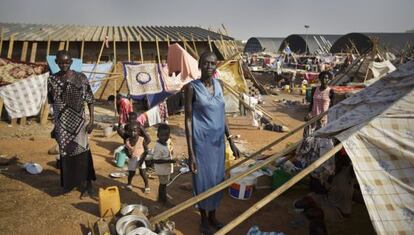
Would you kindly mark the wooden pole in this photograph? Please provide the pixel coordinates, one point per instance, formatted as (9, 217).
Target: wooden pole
(67, 45)
(158, 50)
(82, 48)
(1, 106)
(209, 43)
(48, 46)
(168, 40)
(188, 46)
(105, 79)
(61, 46)
(194, 45)
(102, 73)
(115, 70)
(235, 94)
(45, 113)
(11, 44)
(33, 52)
(193, 200)
(253, 209)
(141, 53)
(129, 48)
(24, 51)
(1, 40)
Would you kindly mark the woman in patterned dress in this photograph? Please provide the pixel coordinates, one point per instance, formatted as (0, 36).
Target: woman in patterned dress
(68, 91)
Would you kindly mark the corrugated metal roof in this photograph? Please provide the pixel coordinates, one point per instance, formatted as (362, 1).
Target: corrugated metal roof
(38, 32)
(316, 43)
(258, 44)
(363, 41)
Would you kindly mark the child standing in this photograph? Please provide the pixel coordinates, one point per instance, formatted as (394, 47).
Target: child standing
(163, 162)
(136, 151)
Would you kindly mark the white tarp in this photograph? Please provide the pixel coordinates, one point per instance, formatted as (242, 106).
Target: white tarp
(25, 97)
(376, 127)
(380, 69)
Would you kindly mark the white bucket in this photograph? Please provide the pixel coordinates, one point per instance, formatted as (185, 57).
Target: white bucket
(108, 131)
(241, 189)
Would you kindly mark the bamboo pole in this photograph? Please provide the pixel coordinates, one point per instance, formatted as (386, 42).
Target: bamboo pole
(209, 43)
(23, 56)
(82, 47)
(188, 46)
(158, 50)
(168, 40)
(253, 209)
(141, 53)
(279, 140)
(102, 73)
(105, 79)
(44, 111)
(1, 106)
(129, 48)
(44, 114)
(184, 205)
(115, 70)
(67, 45)
(194, 44)
(234, 93)
(97, 63)
(11, 44)
(61, 46)
(33, 52)
(362, 56)
(1, 41)
(9, 56)
(48, 46)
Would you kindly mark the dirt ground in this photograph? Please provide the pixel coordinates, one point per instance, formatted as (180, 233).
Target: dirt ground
(34, 204)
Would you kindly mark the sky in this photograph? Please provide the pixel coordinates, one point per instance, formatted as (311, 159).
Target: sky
(243, 19)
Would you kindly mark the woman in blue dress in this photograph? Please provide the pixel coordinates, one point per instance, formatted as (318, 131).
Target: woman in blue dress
(206, 128)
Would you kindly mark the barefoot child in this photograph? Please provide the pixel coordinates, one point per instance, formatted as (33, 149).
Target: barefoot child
(136, 151)
(162, 158)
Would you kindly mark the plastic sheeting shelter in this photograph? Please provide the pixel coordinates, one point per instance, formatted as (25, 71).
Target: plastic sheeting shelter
(376, 128)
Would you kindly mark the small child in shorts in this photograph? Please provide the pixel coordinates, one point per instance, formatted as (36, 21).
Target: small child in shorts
(136, 152)
(163, 162)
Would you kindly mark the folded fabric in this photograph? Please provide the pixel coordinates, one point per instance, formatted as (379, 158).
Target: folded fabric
(101, 68)
(142, 79)
(11, 72)
(25, 97)
(54, 68)
(180, 62)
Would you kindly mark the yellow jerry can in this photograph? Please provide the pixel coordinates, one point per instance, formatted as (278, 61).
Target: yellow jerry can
(109, 201)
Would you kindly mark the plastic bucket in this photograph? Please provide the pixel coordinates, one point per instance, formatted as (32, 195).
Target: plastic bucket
(120, 158)
(241, 189)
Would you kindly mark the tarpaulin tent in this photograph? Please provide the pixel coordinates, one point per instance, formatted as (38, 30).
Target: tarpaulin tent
(376, 128)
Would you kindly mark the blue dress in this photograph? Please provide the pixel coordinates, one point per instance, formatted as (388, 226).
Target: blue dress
(208, 141)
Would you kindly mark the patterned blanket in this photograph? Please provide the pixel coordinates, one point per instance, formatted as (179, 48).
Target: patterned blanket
(25, 97)
(142, 79)
(11, 72)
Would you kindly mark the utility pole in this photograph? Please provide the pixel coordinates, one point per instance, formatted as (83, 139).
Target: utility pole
(306, 38)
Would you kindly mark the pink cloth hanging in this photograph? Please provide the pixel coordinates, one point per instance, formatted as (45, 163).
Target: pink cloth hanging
(179, 61)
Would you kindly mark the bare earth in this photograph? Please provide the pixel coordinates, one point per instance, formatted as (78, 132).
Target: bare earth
(34, 204)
